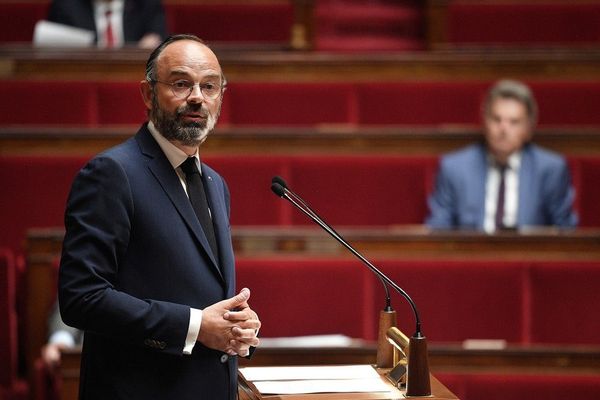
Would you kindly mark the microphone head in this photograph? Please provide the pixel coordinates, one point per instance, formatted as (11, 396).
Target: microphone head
(279, 180)
(278, 189)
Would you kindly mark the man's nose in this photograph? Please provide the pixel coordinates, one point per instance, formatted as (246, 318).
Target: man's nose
(196, 95)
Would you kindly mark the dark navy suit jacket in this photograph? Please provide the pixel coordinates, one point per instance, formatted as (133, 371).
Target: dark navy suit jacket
(545, 192)
(135, 259)
(139, 17)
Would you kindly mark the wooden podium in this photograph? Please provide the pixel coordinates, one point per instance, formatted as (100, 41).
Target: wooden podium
(247, 391)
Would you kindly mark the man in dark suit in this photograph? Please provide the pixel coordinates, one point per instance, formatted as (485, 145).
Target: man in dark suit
(506, 181)
(139, 272)
(138, 22)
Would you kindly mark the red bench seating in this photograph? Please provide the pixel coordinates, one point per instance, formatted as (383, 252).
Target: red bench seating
(255, 22)
(428, 103)
(18, 19)
(345, 190)
(520, 302)
(35, 191)
(252, 22)
(514, 386)
(12, 387)
(523, 23)
(299, 297)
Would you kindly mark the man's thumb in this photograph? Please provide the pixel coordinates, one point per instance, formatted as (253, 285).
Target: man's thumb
(241, 297)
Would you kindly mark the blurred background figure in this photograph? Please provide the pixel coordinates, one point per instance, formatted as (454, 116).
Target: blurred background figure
(504, 182)
(60, 337)
(115, 22)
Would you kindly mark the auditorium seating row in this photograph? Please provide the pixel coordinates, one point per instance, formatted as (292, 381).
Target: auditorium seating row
(458, 22)
(347, 190)
(410, 103)
(522, 23)
(267, 22)
(521, 302)
(12, 387)
(518, 386)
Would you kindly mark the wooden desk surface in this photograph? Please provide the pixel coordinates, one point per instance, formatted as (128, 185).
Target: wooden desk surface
(443, 358)
(234, 140)
(248, 64)
(402, 241)
(407, 242)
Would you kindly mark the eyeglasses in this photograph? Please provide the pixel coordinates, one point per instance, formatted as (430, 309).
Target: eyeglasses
(182, 89)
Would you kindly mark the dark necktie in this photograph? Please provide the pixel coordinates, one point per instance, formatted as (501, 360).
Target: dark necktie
(197, 195)
(500, 203)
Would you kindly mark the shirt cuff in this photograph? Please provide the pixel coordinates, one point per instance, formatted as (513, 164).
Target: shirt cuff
(193, 330)
(62, 337)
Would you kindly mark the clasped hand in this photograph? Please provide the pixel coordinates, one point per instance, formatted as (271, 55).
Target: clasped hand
(230, 325)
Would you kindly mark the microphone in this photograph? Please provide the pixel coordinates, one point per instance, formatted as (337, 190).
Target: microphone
(420, 370)
(280, 188)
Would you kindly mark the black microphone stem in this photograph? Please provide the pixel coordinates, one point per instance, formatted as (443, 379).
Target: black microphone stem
(374, 269)
(315, 217)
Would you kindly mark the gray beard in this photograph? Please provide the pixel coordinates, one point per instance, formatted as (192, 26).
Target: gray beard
(173, 128)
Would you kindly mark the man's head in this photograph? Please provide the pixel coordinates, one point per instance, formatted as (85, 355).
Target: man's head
(509, 115)
(183, 89)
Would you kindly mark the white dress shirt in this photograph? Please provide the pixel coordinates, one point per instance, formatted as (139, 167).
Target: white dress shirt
(511, 192)
(116, 8)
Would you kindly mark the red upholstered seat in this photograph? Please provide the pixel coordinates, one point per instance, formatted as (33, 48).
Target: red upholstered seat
(515, 386)
(363, 190)
(35, 192)
(295, 297)
(565, 302)
(586, 175)
(11, 385)
(243, 22)
(420, 103)
(47, 103)
(120, 103)
(18, 19)
(458, 300)
(511, 23)
(568, 103)
(249, 181)
(290, 103)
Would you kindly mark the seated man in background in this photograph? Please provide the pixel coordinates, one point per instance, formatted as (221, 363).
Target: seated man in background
(504, 182)
(60, 337)
(115, 22)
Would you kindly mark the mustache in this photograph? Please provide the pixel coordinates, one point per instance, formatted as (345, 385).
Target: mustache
(192, 109)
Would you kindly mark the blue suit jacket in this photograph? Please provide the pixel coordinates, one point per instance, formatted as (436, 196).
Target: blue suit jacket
(135, 259)
(545, 192)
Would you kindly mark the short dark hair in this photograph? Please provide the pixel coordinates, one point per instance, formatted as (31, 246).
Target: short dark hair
(516, 90)
(151, 63)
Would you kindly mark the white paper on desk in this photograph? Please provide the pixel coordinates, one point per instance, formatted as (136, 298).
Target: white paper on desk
(336, 372)
(308, 341)
(322, 386)
(48, 33)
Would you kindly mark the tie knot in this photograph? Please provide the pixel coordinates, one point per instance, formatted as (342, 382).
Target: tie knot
(189, 166)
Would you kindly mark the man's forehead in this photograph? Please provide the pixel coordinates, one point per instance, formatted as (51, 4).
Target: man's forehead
(188, 54)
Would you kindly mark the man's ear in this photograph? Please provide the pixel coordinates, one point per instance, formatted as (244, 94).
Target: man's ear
(146, 90)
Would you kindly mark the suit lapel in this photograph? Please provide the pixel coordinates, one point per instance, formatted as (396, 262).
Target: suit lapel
(527, 185)
(480, 180)
(220, 221)
(163, 171)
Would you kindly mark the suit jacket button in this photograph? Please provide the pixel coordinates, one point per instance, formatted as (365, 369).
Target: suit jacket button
(224, 358)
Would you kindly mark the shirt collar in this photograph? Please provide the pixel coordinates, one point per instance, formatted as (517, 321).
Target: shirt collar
(513, 162)
(115, 6)
(175, 155)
